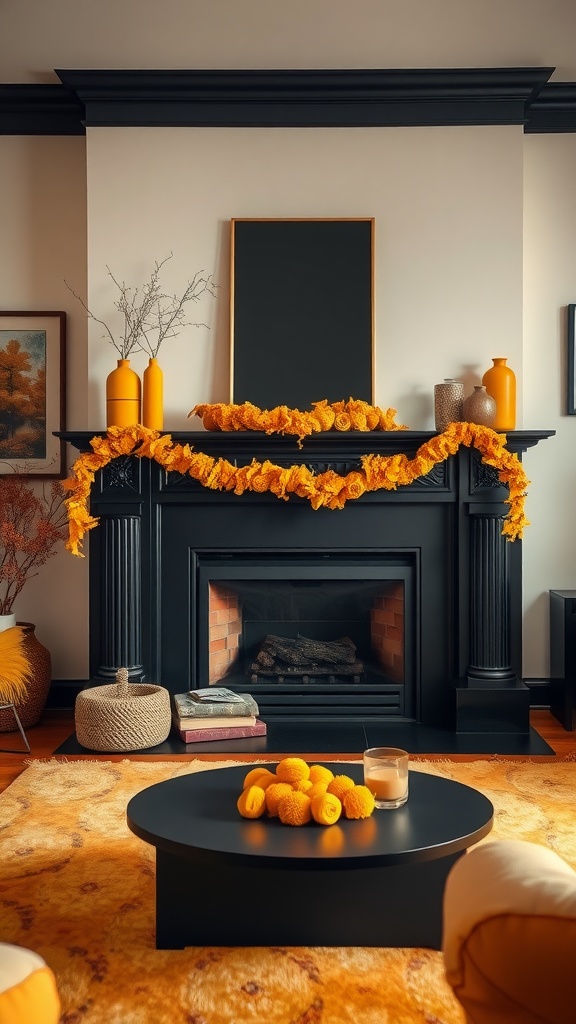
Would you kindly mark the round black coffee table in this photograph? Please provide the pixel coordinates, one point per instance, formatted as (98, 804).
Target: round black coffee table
(223, 880)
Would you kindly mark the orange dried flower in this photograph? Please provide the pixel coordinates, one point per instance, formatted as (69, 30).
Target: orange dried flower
(292, 769)
(252, 802)
(273, 795)
(326, 808)
(339, 784)
(316, 789)
(355, 485)
(294, 808)
(358, 802)
(319, 773)
(303, 786)
(342, 421)
(259, 776)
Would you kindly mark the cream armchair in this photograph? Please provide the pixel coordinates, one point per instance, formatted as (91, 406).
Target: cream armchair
(28, 992)
(509, 939)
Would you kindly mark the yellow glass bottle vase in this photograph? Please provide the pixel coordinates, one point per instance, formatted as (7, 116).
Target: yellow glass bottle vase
(500, 382)
(153, 396)
(122, 396)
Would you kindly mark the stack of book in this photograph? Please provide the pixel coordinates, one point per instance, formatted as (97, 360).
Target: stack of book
(215, 713)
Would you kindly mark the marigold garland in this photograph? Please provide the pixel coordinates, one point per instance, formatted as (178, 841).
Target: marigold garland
(343, 416)
(322, 490)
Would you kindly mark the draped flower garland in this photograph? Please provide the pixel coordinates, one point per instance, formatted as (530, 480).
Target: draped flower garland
(352, 415)
(322, 490)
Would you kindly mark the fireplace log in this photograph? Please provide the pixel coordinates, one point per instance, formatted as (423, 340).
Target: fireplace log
(310, 670)
(304, 652)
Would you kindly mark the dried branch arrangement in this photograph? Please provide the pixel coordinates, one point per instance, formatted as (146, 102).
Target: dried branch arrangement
(151, 315)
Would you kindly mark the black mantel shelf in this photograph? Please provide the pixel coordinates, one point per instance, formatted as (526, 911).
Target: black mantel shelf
(159, 533)
(351, 444)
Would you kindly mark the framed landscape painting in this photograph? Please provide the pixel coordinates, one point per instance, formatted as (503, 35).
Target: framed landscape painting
(32, 393)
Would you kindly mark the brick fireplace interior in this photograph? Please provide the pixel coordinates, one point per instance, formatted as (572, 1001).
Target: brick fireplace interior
(254, 604)
(230, 652)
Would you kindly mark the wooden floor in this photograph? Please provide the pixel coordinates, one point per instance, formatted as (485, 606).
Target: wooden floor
(56, 726)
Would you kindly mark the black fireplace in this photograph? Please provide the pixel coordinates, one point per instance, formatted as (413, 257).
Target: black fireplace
(407, 603)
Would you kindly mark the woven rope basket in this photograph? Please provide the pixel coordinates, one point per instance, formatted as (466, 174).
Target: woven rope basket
(122, 716)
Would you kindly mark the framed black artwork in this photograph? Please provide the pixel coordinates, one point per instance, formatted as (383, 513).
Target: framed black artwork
(571, 360)
(32, 393)
(302, 311)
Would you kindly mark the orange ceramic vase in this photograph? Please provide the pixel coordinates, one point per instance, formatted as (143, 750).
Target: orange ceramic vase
(500, 382)
(122, 396)
(153, 396)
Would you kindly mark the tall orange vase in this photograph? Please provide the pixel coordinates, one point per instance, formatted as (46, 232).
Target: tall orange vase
(500, 383)
(153, 396)
(122, 396)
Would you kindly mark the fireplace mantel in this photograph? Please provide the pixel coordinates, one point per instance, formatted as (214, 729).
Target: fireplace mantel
(155, 528)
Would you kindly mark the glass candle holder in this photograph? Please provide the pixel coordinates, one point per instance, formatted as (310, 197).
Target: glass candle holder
(386, 775)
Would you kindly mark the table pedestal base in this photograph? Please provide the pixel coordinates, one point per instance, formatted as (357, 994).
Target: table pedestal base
(200, 904)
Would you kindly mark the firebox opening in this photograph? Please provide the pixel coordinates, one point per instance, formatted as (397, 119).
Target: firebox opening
(327, 626)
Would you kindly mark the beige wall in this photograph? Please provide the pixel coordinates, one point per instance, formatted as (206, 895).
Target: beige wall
(447, 204)
(43, 217)
(474, 226)
(549, 285)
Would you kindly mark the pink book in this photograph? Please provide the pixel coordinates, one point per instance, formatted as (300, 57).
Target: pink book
(226, 732)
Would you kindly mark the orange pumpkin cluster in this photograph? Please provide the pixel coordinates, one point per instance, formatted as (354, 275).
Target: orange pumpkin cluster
(297, 793)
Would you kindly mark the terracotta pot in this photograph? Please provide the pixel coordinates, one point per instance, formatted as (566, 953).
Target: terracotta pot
(32, 705)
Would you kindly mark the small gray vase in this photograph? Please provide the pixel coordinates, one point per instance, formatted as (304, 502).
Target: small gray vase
(480, 407)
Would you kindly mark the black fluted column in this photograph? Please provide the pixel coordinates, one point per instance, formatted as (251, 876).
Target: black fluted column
(490, 653)
(121, 596)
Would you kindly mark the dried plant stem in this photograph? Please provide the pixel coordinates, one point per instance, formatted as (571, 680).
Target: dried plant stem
(150, 315)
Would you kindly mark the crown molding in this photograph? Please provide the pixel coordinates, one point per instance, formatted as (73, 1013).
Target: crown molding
(554, 109)
(290, 98)
(40, 110)
(308, 98)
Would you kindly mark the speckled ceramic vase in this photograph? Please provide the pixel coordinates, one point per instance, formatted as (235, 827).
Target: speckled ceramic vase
(448, 403)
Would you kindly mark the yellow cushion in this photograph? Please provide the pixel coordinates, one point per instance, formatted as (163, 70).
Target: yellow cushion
(509, 939)
(28, 993)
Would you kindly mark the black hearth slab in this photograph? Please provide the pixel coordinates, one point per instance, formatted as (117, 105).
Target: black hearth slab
(421, 739)
(348, 738)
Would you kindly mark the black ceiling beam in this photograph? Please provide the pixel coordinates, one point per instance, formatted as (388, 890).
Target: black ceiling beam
(40, 110)
(276, 98)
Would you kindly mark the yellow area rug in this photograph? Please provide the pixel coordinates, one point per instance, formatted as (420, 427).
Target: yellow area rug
(77, 886)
